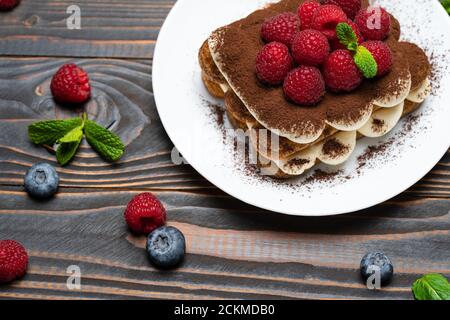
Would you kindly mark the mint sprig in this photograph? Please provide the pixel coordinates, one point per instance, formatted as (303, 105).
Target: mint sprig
(66, 136)
(364, 60)
(431, 287)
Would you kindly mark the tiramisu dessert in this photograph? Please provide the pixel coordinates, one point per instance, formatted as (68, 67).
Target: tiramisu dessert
(318, 75)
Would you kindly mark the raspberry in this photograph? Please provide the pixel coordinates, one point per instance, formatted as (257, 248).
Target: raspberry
(326, 18)
(336, 44)
(70, 84)
(340, 72)
(281, 28)
(350, 7)
(13, 261)
(382, 55)
(374, 23)
(273, 63)
(304, 85)
(6, 5)
(306, 14)
(145, 213)
(310, 47)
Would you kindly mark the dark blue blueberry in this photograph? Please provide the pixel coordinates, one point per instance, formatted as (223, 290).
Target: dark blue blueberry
(379, 260)
(166, 247)
(41, 181)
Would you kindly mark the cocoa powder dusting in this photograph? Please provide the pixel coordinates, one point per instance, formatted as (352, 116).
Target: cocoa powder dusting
(238, 46)
(378, 125)
(333, 148)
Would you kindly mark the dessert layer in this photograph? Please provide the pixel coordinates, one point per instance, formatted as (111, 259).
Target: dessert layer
(333, 147)
(379, 123)
(234, 49)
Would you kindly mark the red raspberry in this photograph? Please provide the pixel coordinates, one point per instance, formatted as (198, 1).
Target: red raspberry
(6, 5)
(13, 260)
(374, 23)
(336, 44)
(306, 14)
(382, 55)
(304, 85)
(281, 28)
(326, 18)
(350, 7)
(70, 84)
(145, 213)
(310, 47)
(340, 72)
(273, 63)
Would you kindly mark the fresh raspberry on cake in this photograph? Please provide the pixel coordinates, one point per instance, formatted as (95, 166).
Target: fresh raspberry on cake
(13, 261)
(326, 18)
(281, 28)
(382, 55)
(6, 5)
(336, 44)
(71, 85)
(341, 73)
(145, 213)
(304, 86)
(374, 23)
(310, 47)
(306, 14)
(273, 63)
(350, 7)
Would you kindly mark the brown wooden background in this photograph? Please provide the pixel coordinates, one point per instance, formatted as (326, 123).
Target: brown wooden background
(235, 250)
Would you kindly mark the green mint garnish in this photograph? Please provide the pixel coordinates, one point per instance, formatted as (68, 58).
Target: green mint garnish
(66, 136)
(431, 287)
(103, 141)
(347, 36)
(66, 151)
(446, 4)
(365, 62)
(363, 58)
(48, 132)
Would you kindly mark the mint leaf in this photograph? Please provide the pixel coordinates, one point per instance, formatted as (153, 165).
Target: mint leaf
(365, 62)
(48, 132)
(431, 287)
(66, 151)
(107, 144)
(446, 4)
(73, 135)
(347, 36)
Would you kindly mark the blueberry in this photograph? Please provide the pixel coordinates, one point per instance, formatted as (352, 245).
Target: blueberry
(166, 247)
(41, 181)
(379, 260)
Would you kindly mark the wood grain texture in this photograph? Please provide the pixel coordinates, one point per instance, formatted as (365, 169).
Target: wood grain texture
(235, 251)
(117, 28)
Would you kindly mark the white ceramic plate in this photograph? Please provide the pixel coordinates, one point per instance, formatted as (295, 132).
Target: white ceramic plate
(183, 105)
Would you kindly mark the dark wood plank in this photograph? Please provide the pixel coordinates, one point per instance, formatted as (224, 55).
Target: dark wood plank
(120, 28)
(234, 250)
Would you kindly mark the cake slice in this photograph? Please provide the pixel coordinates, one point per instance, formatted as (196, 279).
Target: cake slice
(326, 132)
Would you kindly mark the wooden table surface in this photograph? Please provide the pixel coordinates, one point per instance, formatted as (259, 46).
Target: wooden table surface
(234, 250)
